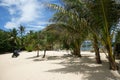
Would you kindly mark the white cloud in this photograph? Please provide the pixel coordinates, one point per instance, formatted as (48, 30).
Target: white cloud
(10, 25)
(43, 23)
(30, 11)
(23, 12)
(34, 28)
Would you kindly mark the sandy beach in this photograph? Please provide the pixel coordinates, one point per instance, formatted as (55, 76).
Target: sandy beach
(58, 65)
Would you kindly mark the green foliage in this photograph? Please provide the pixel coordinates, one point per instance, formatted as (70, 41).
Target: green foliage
(21, 31)
(117, 40)
(70, 17)
(4, 44)
(104, 13)
(29, 47)
(30, 41)
(8, 40)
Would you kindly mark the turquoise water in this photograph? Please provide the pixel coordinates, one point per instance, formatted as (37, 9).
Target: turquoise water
(86, 46)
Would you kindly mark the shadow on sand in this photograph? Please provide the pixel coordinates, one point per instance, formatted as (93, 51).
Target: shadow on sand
(85, 66)
(33, 57)
(47, 58)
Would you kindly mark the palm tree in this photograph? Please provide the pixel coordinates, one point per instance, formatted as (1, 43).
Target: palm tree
(104, 14)
(49, 37)
(21, 30)
(30, 41)
(71, 18)
(44, 43)
(14, 39)
(83, 13)
(37, 44)
(94, 28)
(96, 48)
(107, 10)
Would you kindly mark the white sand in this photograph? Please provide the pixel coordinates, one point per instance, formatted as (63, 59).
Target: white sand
(55, 67)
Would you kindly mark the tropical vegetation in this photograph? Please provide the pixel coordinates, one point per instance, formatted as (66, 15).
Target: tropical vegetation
(74, 22)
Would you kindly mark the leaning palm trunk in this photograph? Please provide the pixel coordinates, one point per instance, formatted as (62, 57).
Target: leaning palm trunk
(104, 12)
(96, 48)
(111, 59)
(71, 18)
(108, 38)
(44, 53)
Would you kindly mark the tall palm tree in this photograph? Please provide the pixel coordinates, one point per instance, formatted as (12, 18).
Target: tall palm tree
(96, 49)
(71, 18)
(94, 28)
(38, 45)
(109, 18)
(21, 30)
(14, 39)
(85, 15)
(31, 41)
(104, 14)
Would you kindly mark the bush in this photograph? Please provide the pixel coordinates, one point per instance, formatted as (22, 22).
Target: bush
(29, 48)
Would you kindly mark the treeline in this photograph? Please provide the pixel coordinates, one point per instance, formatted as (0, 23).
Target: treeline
(11, 40)
(49, 38)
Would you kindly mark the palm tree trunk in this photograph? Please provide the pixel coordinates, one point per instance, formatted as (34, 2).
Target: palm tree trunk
(112, 63)
(38, 53)
(76, 51)
(96, 48)
(44, 53)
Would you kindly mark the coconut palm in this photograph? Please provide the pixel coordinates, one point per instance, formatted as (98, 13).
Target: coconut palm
(109, 19)
(30, 41)
(14, 39)
(104, 14)
(21, 30)
(85, 14)
(71, 18)
(37, 43)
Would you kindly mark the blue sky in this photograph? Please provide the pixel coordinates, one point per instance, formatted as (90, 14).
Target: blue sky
(32, 14)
